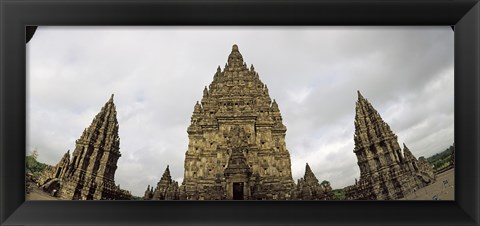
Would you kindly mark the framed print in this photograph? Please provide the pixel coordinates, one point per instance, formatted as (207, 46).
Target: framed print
(237, 137)
(77, 98)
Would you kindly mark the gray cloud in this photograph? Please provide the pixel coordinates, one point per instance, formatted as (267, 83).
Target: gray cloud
(158, 73)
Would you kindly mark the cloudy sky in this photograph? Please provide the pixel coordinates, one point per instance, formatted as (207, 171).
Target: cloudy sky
(158, 73)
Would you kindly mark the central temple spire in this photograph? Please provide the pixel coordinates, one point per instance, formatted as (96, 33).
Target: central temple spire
(235, 59)
(236, 139)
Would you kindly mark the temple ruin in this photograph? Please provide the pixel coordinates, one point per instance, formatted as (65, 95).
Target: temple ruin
(237, 151)
(386, 173)
(236, 140)
(308, 187)
(89, 173)
(236, 147)
(167, 189)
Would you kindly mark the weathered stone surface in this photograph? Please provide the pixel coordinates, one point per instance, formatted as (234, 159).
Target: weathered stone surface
(308, 187)
(148, 193)
(236, 117)
(89, 175)
(385, 173)
(47, 174)
(167, 189)
(421, 168)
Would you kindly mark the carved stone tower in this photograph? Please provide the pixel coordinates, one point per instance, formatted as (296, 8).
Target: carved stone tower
(236, 139)
(91, 171)
(384, 172)
(167, 189)
(308, 187)
(60, 168)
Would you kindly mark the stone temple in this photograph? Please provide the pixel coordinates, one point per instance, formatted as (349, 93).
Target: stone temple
(237, 151)
(386, 173)
(89, 173)
(236, 148)
(167, 189)
(236, 140)
(308, 187)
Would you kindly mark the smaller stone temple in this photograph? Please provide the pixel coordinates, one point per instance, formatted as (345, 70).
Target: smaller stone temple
(167, 189)
(89, 173)
(308, 187)
(386, 172)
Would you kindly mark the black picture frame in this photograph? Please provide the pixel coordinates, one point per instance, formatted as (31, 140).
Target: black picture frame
(464, 15)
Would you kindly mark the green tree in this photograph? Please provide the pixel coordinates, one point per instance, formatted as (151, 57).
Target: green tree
(32, 165)
(338, 194)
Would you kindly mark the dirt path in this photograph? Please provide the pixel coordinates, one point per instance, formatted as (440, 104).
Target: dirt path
(442, 189)
(38, 194)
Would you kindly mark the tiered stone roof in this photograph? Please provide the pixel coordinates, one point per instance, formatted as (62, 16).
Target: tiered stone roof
(308, 187)
(236, 98)
(385, 171)
(90, 172)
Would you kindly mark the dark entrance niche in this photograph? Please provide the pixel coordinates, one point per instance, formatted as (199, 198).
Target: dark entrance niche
(76, 195)
(238, 191)
(57, 175)
(90, 196)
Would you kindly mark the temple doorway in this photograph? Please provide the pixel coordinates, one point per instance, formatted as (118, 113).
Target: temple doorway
(238, 191)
